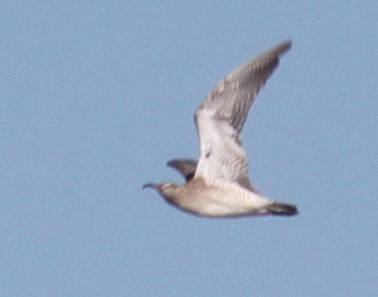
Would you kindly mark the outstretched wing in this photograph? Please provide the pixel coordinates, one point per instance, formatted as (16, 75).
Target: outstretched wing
(221, 117)
(187, 167)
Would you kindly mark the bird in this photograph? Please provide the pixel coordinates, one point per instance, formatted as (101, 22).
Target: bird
(217, 185)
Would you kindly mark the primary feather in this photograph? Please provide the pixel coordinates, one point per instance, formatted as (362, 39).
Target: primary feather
(221, 117)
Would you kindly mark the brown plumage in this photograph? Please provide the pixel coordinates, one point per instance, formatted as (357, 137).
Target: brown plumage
(218, 184)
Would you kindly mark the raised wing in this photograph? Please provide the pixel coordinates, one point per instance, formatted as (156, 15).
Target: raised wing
(221, 117)
(187, 167)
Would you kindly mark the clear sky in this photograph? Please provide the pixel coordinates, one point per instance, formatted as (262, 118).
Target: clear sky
(96, 96)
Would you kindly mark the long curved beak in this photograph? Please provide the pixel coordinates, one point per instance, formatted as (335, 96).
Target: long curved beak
(151, 185)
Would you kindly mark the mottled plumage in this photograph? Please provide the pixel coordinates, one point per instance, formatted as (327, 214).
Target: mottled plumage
(218, 185)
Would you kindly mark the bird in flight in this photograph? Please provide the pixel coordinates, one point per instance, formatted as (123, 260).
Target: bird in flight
(218, 185)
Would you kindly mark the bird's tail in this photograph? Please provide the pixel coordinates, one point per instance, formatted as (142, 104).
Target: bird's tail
(282, 209)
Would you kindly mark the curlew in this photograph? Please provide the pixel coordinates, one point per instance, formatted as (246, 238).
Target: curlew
(218, 184)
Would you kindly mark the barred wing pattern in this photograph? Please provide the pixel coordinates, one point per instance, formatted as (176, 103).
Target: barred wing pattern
(221, 117)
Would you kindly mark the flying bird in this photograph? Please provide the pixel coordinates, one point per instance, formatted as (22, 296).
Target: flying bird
(218, 184)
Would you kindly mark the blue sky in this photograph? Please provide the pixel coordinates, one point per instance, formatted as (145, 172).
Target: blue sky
(97, 96)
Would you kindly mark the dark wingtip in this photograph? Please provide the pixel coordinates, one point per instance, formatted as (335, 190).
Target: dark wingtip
(176, 163)
(187, 167)
(286, 44)
(281, 48)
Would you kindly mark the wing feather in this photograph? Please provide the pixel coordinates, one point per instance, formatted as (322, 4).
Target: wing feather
(222, 115)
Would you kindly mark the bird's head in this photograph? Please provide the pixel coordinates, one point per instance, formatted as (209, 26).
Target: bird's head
(167, 189)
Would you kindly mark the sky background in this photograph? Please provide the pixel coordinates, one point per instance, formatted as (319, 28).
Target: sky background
(96, 96)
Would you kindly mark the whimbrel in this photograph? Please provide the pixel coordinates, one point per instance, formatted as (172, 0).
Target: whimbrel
(218, 184)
